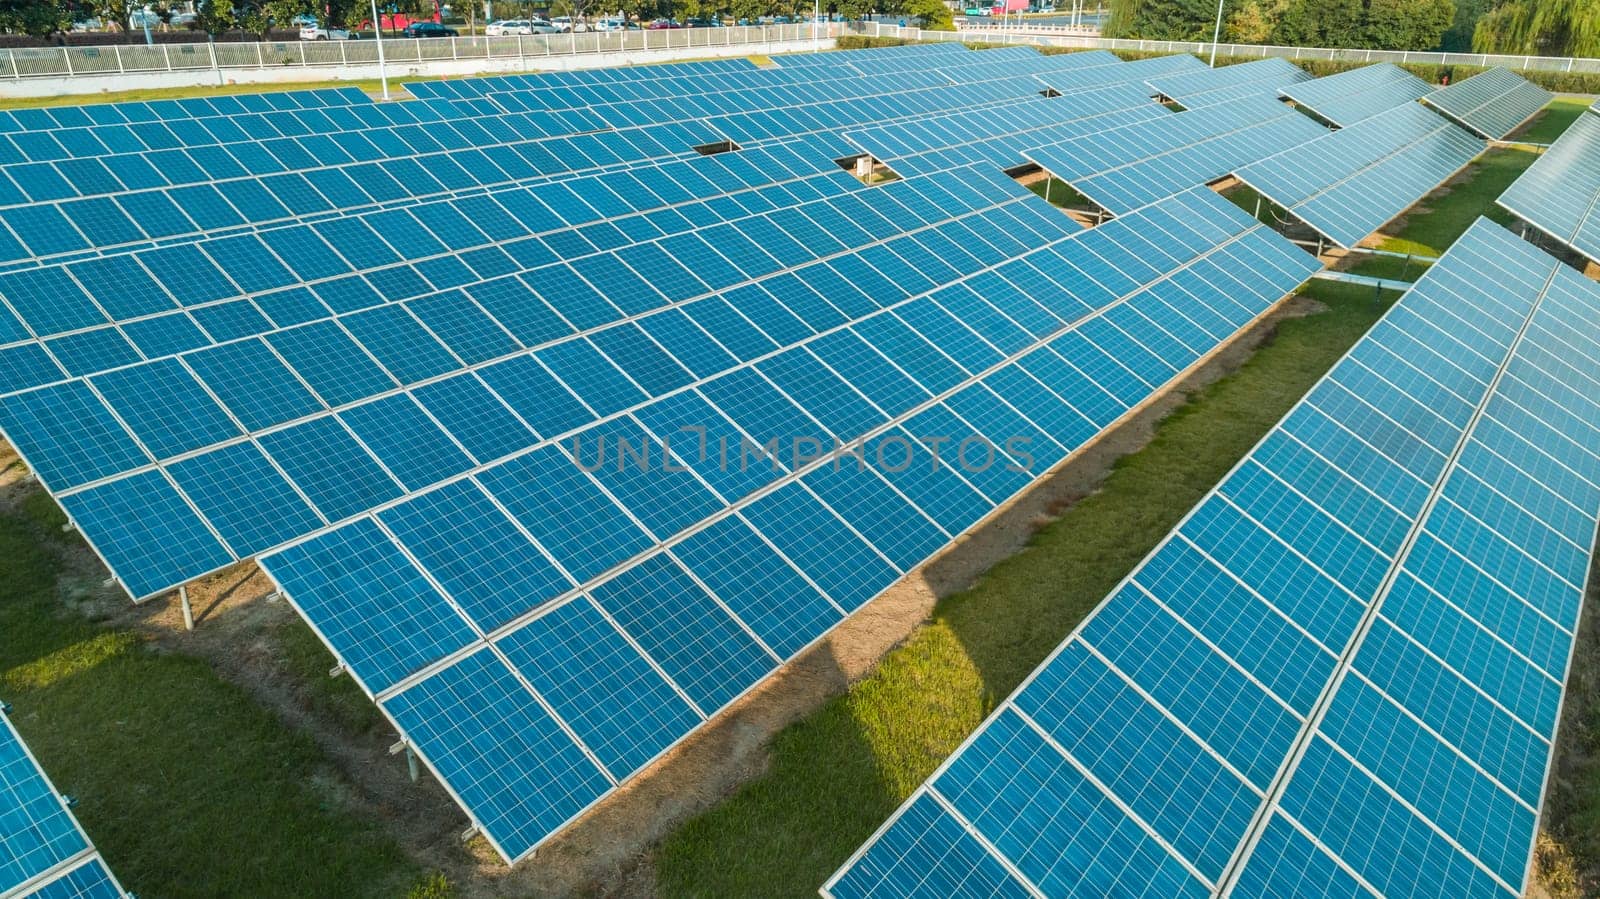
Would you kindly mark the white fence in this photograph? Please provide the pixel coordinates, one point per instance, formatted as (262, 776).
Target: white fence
(529, 50)
(120, 59)
(1067, 36)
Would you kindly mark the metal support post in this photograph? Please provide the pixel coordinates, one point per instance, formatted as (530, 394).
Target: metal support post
(188, 611)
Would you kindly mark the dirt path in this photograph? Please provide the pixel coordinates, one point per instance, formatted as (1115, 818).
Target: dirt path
(261, 645)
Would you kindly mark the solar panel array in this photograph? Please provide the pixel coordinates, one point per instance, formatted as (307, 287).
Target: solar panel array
(1209, 87)
(1493, 103)
(1341, 673)
(593, 618)
(1123, 168)
(1348, 97)
(391, 373)
(1347, 184)
(1559, 193)
(44, 853)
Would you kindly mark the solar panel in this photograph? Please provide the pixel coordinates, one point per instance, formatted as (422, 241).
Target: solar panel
(1206, 87)
(1126, 167)
(1349, 183)
(1492, 104)
(1559, 192)
(1379, 600)
(1348, 97)
(43, 850)
(653, 566)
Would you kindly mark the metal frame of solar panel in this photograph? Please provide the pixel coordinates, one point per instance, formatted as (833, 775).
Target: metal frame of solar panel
(1261, 77)
(467, 676)
(46, 853)
(1559, 193)
(1341, 673)
(1124, 168)
(1349, 183)
(1492, 104)
(1348, 97)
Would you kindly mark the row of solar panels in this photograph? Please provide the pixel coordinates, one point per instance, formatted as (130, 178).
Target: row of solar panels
(1344, 184)
(44, 854)
(156, 302)
(75, 226)
(642, 83)
(1341, 673)
(1560, 192)
(647, 598)
(279, 387)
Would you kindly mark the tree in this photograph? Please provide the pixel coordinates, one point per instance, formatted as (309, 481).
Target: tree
(935, 15)
(1458, 37)
(1540, 28)
(119, 12)
(1362, 24)
(213, 16)
(1165, 20)
(40, 19)
(1405, 24)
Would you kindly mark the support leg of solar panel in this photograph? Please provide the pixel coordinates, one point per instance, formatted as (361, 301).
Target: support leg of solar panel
(411, 763)
(188, 610)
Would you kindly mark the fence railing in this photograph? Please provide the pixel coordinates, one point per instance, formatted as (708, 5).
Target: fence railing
(117, 59)
(1066, 36)
(399, 53)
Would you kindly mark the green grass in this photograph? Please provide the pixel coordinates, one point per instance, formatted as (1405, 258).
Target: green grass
(1059, 193)
(1432, 231)
(838, 774)
(184, 781)
(1555, 118)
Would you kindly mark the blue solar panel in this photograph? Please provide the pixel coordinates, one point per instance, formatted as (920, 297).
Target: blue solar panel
(1492, 104)
(1323, 663)
(1349, 183)
(46, 853)
(1557, 194)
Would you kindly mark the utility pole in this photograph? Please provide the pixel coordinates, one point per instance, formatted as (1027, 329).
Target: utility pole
(1216, 34)
(377, 35)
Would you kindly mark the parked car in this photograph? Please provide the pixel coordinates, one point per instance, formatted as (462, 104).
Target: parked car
(702, 23)
(321, 33)
(182, 20)
(540, 26)
(610, 23)
(508, 26)
(427, 29)
(567, 24)
(663, 24)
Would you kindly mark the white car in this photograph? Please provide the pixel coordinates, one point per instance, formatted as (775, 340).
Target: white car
(565, 24)
(508, 26)
(540, 26)
(610, 24)
(319, 33)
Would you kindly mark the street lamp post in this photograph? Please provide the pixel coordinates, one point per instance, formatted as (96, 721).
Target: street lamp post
(377, 35)
(1216, 34)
